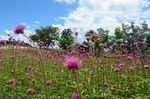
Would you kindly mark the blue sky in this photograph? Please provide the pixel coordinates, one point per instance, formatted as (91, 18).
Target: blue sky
(79, 15)
(46, 12)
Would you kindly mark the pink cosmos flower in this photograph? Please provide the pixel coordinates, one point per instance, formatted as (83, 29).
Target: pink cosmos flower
(19, 29)
(72, 63)
(76, 96)
(30, 90)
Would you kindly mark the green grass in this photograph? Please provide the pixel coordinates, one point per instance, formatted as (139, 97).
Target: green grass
(130, 84)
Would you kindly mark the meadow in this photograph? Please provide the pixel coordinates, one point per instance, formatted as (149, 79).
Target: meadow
(28, 73)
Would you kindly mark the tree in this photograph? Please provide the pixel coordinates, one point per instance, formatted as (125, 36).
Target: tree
(49, 35)
(134, 33)
(66, 39)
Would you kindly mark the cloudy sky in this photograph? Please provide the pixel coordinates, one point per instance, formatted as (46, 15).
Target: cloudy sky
(79, 15)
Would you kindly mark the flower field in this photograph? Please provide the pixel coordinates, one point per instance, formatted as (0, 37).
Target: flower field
(29, 74)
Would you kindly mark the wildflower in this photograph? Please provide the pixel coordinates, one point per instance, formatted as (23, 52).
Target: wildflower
(102, 45)
(106, 84)
(117, 69)
(40, 95)
(18, 97)
(146, 66)
(76, 33)
(19, 29)
(121, 65)
(91, 73)
(114, 86)
(41, 43)
(89, 37)
(76, 96)
(131, 68)
(12, 81)
(72, 63)
(30, 90)
(91, 31)
(48, 82)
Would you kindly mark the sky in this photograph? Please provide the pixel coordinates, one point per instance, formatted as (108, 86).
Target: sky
(79, 15)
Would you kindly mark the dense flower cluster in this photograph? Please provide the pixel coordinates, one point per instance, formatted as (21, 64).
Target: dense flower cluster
(19, 29)
(72, 63)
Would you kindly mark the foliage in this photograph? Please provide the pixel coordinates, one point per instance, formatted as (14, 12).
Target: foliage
(49, 35)
(66, 39)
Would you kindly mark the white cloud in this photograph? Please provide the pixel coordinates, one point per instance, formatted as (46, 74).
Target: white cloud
(37, 22)
(93, 14)
(25, 24)
(4, 37)
(8, 32)
(65, 1)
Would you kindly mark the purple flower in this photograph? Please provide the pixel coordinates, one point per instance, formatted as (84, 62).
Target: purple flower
(19, 29)
(102, 45)
(146, 66)
(12, 81)
(117, 69)
(72, 63)
(40, 95)
(18, 97)
(76, 96)
(76, 33)
(131, 68)
(2, 41)
(30, 90)
(91, 31)
(106, 84)
(89, 37)
(48, 82)
(114, 86)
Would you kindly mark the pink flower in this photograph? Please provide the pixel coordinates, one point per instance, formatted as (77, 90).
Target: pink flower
(12, 81)
(48, 82)
(76, 33)
(30, 90)
(146, 66)
(40, 95)
(114, 86)
(76, 96)
(117, 69)
(2, 41)
(102, 45)
(19, 29)
(72, 63)
(106, 84)
(89, 37)
(121, 65)
(131, 68)
(18, 97)
(41, 43)
(91, 31)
